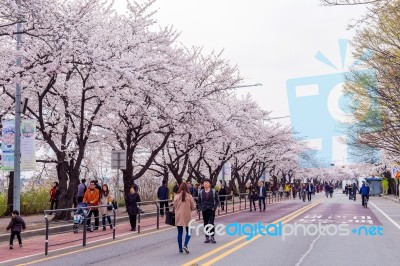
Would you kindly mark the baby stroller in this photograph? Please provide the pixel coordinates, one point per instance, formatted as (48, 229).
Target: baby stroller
(79, 217)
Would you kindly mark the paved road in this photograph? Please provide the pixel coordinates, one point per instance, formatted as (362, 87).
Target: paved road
(160, 248)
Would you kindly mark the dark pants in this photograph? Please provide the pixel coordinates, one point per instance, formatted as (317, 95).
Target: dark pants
(132, 220)
(208, 218)
(309, 196)
(180, 235)
(13, 234)
(162, 205)
(222, 204)
(253, 202)
(261, 200)
(108, 219)
(79, 199)
(53, 204)
(96, 218)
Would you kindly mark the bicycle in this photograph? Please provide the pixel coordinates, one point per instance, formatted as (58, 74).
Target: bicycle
(365, 202)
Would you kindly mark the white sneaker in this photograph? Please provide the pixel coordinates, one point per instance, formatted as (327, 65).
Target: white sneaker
(186, 249)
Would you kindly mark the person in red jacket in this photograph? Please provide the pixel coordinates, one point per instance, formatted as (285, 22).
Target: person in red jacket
(54, 196)
(92, 197)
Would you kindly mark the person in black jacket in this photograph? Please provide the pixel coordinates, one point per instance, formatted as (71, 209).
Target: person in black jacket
(262, 194)
(253, 197)
(208, 204)
(16, 225)
(131, 205)
(310, 189)
(222, 196)
(163, 194)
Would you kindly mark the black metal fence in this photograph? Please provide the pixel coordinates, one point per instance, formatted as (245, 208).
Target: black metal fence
(75, 226)
(147, 210)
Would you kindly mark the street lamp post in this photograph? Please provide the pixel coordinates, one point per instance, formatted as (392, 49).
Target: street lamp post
(245, 86)
(17, 142)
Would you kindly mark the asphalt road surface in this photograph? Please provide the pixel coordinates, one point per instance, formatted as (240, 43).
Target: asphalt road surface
(338, 232)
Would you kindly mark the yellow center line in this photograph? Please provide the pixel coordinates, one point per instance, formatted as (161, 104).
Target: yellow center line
(286, 217)
(223, 255)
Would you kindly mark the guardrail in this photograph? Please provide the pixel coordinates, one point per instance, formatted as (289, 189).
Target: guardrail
(74, 229)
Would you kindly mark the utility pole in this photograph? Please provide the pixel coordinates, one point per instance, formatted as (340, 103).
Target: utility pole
(17, 141)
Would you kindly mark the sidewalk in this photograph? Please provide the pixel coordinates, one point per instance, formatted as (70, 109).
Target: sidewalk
(36, 245)
(391, 197)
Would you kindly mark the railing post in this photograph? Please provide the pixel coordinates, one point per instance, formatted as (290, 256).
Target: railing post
(46, 244)
(115, 216)
(138, 222)
(199, 209)
(245, 202)
(226, 206)
(233, 204)
(84, 227)
(158, 214)
(240, 202)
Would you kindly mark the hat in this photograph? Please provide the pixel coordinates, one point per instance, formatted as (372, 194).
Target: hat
(207, 180)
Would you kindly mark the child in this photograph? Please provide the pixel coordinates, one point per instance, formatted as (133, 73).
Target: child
(16, 225)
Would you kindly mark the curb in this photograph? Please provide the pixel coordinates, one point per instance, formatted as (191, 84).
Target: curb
(391, 198)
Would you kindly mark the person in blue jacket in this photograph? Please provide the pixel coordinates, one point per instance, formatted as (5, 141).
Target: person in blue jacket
(364, 191)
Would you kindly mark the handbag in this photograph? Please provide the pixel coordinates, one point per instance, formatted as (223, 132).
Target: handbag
(115, 204)
(170, 218)
(109, 206)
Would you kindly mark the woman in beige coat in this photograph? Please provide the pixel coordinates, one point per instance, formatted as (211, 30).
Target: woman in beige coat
(184, 205)
(105, 198)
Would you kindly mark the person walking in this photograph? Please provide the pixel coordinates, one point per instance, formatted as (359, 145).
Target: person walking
(132, 200)
(253, 197)
(310, 190)
(294, 191)
(81, 190)
(355, 189)
(331, 191)
(262, 193)
(196, 196)
(327, 189)
(16, 225)
(176, 188)
(208, 203)
(105, 199)
(163, 196)
(54, 196)
(98, 187)
(92, 197)
(280, 192)
(184, 205)
(190, 187)
(222, 196)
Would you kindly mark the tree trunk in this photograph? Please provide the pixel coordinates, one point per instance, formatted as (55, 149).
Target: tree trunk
(127, 177)
(10, 193)
(68, 182)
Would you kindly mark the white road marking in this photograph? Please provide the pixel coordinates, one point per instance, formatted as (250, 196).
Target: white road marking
(387, 216)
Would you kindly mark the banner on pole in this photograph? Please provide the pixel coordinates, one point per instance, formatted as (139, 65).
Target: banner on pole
(7, 144)
(28, 149)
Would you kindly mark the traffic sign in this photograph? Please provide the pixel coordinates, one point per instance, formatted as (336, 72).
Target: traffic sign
(118, 159)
